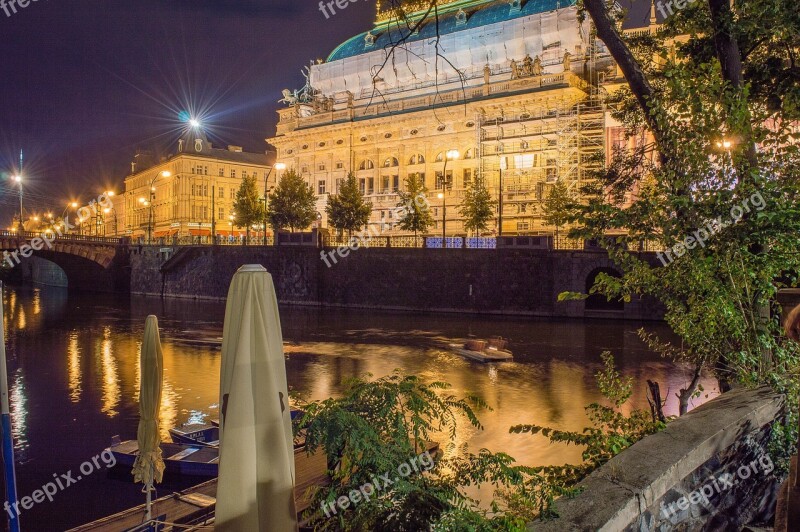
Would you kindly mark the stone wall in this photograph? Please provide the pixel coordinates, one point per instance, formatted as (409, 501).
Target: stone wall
(460, 280)
(708, 470)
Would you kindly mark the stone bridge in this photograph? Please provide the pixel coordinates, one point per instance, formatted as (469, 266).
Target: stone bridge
(90, 263)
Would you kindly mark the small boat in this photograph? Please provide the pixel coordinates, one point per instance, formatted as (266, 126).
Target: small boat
(179, 459)
(203, 434)
(492, 350)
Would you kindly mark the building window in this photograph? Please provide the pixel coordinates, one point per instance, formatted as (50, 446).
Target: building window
(469, 154)
(523, 226)
(467, 177)
(390, 162)
(304, 169)
(371, 185)
(321, 168)
(366, 165)
(339, 182)
(222, 172)
(539, 191)
(440, 157)
(385, 184)
(205, 190)
(339, 165)
(362, 185)
(192, 189)
(244, 174)
(221, 192)
(221, 213)
(417, 159)
(395, 183)
(522, 208)
(233, 172)
(321, 187)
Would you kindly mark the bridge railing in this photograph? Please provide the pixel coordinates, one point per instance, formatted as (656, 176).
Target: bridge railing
(30, 235)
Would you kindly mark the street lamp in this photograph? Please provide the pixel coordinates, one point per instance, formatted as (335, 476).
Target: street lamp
(18, 180)
(277, 166)
(503, 166)
(451, 155)
(163, 173)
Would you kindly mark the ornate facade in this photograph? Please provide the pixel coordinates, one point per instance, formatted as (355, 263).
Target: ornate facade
(189, 194)
(514, 86)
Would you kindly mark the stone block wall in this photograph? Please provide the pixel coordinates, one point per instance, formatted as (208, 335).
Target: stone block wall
(708, 470)
(510, 281)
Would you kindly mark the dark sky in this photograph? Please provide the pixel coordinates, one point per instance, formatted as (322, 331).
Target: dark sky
(87, 82)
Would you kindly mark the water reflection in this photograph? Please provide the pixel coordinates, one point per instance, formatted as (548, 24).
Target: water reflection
(18, 404)
(111, 389)
(74, 361)
(75, 373)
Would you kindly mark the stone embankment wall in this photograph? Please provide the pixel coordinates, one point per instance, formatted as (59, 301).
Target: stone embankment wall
(525, 282)
(708, 470)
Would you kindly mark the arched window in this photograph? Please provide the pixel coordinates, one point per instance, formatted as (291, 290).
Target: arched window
(469, 154)
(440, 157)
(391, 161)
(366, 165)
(417, 159)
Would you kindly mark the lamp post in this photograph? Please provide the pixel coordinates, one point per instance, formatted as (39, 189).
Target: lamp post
(18, 180)
(164, 173)
(277, 166)
(451, 155)
(503, 166)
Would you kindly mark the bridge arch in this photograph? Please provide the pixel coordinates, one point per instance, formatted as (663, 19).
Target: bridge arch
(96, 264)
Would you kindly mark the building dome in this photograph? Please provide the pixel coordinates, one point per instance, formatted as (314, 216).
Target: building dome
(453, 17)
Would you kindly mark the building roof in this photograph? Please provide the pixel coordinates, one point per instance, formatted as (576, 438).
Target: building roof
(196, 143)
(478, 14)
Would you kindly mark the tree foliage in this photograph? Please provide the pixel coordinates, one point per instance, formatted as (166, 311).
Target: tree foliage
(377, 425)
(720, 195)
(477, 207)
(292, 204)
(248, 208)
(558, 206)
(416, 214)
(347, 210)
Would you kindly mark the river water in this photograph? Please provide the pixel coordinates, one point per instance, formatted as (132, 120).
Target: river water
(73, 371)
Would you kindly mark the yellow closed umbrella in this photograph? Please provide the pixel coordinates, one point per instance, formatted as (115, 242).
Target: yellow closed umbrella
(255, 490)
(149, 466)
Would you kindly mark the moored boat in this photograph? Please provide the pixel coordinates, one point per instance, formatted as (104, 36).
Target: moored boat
(202, 434)
(179, 459)
(492, 350)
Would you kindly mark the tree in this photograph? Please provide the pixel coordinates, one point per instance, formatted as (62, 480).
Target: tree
(247, 206)
(416, 213)
(477, 208)
(721, 198)
(292, 203)
(557, 206)
(347, 210)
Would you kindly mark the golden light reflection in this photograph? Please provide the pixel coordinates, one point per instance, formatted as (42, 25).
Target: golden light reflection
(74, 367)
(19, 412)
(21, 322)
(169, 411)
(37, 301)
(111, 389)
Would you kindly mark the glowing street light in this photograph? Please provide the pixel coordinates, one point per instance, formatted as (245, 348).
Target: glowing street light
(194, 123)
(279, 167)
(451, 155)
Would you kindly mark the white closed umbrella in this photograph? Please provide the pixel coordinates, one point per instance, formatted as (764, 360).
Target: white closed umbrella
(255, 491)
(149, 465)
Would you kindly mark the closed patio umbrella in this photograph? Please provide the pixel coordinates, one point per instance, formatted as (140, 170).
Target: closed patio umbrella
(255, 490)
(149, 466)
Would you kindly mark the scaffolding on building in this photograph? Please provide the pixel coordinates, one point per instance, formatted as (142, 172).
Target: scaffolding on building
(530, 149)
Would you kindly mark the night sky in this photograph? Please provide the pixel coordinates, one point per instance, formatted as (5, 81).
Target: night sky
(87, 82)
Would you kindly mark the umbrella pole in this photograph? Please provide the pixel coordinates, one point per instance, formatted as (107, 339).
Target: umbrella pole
(149, 488)
(5, 411)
